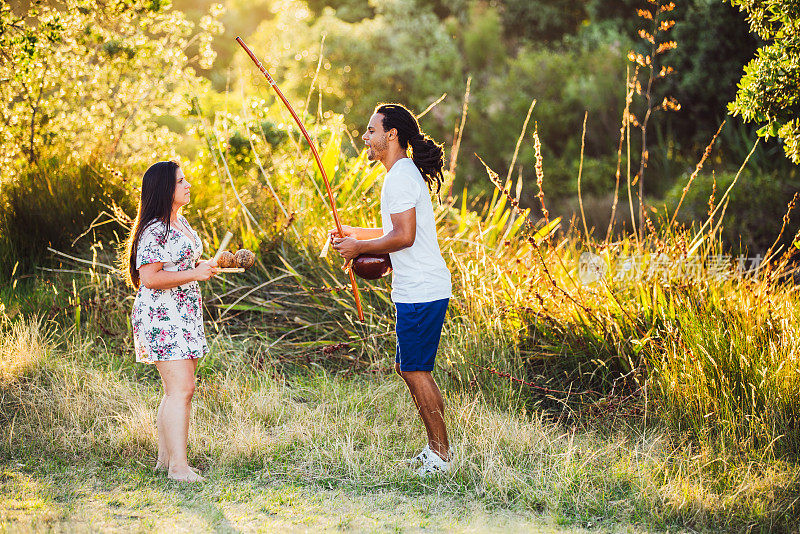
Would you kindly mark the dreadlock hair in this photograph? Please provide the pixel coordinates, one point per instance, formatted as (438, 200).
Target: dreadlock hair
(155, 204)
(427, 155)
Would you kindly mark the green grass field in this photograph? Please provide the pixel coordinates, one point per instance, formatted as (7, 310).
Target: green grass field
(135, 500)
(309, 447)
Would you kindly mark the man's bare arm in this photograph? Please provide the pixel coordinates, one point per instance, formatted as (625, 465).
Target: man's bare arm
(403, 234)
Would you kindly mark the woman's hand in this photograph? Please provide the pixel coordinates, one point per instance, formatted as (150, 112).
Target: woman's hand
(153, 276)
(348, 247)
(205, 270)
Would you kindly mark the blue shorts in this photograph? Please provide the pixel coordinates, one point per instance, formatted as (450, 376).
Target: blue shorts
(418, 329)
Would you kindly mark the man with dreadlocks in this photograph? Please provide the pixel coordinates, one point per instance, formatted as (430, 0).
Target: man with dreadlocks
(421, 287)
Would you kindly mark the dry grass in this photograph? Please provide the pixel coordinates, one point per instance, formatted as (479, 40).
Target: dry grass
(22, 349)
(327, 433)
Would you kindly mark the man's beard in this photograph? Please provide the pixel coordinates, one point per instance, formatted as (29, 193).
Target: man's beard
(374, 150)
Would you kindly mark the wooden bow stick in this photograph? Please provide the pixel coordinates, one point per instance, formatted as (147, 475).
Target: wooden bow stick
(356, 295)
(222, 245)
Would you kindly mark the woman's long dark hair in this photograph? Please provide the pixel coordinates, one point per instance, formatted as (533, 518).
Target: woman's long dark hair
(155, 204)
(426, 153)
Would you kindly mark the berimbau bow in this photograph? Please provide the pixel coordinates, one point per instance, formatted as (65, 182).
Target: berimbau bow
(316, 158)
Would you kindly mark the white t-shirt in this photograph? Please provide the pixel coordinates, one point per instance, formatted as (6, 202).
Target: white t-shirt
(419, 271)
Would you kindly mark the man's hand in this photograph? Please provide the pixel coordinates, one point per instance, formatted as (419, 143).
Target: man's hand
(373, 241)
(349, 231)
(348, 247)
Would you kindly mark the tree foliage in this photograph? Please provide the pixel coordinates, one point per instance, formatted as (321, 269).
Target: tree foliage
(768, 91)
(403, 53)
(86, 77)
(113, 78)
(548, 22)
(706, 70)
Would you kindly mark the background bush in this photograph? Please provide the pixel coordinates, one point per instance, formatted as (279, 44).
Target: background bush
(52, 205)
(757, 205)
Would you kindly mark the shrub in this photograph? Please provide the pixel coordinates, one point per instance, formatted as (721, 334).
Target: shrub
(755, 211)
(51, 205)
(83, 78)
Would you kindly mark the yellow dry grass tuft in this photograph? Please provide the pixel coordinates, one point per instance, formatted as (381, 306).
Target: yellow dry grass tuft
(22, 349)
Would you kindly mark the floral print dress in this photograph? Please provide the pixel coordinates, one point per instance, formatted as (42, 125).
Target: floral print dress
(168, 323)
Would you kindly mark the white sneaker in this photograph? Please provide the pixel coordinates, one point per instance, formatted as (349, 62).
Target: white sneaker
(421, 457)
(433, 465)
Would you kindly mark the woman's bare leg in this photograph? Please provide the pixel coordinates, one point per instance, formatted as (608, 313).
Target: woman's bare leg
(179, 383)
(162, 463)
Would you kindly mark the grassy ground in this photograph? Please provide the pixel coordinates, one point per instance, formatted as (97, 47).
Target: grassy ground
(54, 496)
(318, 449)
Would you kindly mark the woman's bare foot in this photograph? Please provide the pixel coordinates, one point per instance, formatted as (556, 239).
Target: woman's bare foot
(185, 474)
(162, 460)
(163, 465)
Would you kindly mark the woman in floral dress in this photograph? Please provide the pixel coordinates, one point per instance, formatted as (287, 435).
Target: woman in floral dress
(163, 256)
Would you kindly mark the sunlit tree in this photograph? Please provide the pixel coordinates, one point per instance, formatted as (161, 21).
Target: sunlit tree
(95, 78)
(769, 94)
(403, 53)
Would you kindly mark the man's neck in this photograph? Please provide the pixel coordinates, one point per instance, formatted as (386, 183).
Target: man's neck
(393, 157)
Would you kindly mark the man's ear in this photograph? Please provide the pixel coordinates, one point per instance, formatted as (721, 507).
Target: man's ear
(392, 131)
